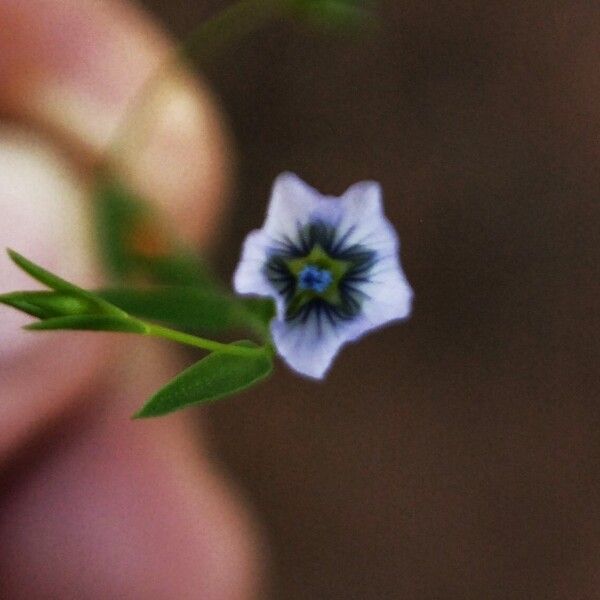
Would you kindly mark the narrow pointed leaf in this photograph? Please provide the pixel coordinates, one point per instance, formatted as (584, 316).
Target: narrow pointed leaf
(48, 304)
(41, 275)
(214, 377)
(20, 301)
(61, 285)
(88, 323)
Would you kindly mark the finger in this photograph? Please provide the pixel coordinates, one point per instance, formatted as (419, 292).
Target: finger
(42, 203)
(72, 68)
(125, 509)
(143, 520)
(77, 67)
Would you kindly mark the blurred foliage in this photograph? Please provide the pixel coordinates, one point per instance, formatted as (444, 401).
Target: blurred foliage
(335, 15)
(134, 242)
(193, 308)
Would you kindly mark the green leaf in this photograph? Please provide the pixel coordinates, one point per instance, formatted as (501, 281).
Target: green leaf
(41, 275)
(336, 15)
(192, 308)
(60, 285)
(186, 307)
(261, 309)
(214, 377)
(179, 267)
(117, 213)
(134, 240)
(45, 305)
(20, 301)
(88, 323)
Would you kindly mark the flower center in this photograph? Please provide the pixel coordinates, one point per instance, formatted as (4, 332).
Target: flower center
(320, 274)
(314, 279)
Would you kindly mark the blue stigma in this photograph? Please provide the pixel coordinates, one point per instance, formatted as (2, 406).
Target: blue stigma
(314, 279)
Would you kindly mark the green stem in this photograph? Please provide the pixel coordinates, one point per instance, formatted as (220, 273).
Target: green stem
(191, 340)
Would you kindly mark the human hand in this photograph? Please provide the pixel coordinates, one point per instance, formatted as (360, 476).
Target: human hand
(92, 504)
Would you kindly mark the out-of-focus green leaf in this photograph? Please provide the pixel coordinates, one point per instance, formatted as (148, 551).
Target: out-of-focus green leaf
(88, 323)
(118, 211)
(335, 15)
(192, 308)
(134, 242)
(180, 267)
(214, 377)
(261, 309)
(187, 307)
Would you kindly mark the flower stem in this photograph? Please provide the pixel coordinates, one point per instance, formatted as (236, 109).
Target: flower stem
(191, 340)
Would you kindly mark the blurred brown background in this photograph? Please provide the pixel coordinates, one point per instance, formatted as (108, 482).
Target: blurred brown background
(456, 456)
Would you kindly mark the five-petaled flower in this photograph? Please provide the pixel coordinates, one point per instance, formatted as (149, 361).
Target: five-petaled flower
(332, 267)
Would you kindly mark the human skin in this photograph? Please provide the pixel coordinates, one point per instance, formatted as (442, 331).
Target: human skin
(93, 504)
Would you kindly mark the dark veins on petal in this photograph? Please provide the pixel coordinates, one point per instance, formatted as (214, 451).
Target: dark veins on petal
(349, 297)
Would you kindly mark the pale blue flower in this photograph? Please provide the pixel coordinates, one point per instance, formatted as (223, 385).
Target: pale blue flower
(332, 267)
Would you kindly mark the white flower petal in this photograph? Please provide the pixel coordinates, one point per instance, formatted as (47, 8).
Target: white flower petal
(364, 197)
(329, 210)
(249, 277)
(362, 221)
(292, 202)
(308, 348)
(389, 297)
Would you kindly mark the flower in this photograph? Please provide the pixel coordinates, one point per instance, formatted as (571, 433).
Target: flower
(332, 267)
